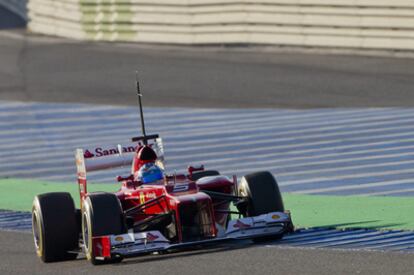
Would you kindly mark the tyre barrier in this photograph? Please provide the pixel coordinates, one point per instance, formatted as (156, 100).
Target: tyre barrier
(354, 24)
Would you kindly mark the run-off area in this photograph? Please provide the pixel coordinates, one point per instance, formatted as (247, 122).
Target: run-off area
(338, 168)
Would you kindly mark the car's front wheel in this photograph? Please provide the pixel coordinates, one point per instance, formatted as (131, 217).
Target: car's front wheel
(101, 215)
(263, 195)
(54, 226)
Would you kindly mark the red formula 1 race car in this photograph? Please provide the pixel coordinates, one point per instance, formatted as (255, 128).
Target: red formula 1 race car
(154, 211)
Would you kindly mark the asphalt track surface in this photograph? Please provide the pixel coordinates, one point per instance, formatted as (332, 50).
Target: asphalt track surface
(35, 68)
(241, 258)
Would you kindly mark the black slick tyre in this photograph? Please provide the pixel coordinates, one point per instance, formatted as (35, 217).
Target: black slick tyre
(54, 227)
(263, 194)
(101, 215)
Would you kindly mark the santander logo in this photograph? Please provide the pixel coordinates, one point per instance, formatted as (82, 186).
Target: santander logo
(241, 225)
(151, 237)
(100, 152)
(88, 154)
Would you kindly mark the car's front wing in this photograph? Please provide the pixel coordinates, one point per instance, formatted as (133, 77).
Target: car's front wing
(135, 244)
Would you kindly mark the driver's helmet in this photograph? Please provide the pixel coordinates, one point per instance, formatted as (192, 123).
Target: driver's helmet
(150, 173)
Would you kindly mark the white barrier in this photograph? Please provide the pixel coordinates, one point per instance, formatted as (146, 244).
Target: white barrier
(362, 24)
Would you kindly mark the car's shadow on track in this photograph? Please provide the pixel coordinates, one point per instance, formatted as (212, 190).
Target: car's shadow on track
(189, 252)
(244, 244)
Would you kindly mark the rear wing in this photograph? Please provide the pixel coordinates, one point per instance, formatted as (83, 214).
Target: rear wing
(112, 156)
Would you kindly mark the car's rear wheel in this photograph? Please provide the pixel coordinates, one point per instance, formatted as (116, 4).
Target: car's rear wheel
(54, 226)
(198, 175)
(263, 194)
(101, 215)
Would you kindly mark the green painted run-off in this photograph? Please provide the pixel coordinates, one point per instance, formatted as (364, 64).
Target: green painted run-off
(307, 210)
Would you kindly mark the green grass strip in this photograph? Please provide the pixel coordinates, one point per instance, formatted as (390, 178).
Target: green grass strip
(307, 210)
(351, 211)
(16, 194)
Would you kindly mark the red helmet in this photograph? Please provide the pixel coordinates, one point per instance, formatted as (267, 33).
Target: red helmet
(143, 155)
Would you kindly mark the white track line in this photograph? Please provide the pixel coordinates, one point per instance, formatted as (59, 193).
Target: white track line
(354, 187)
